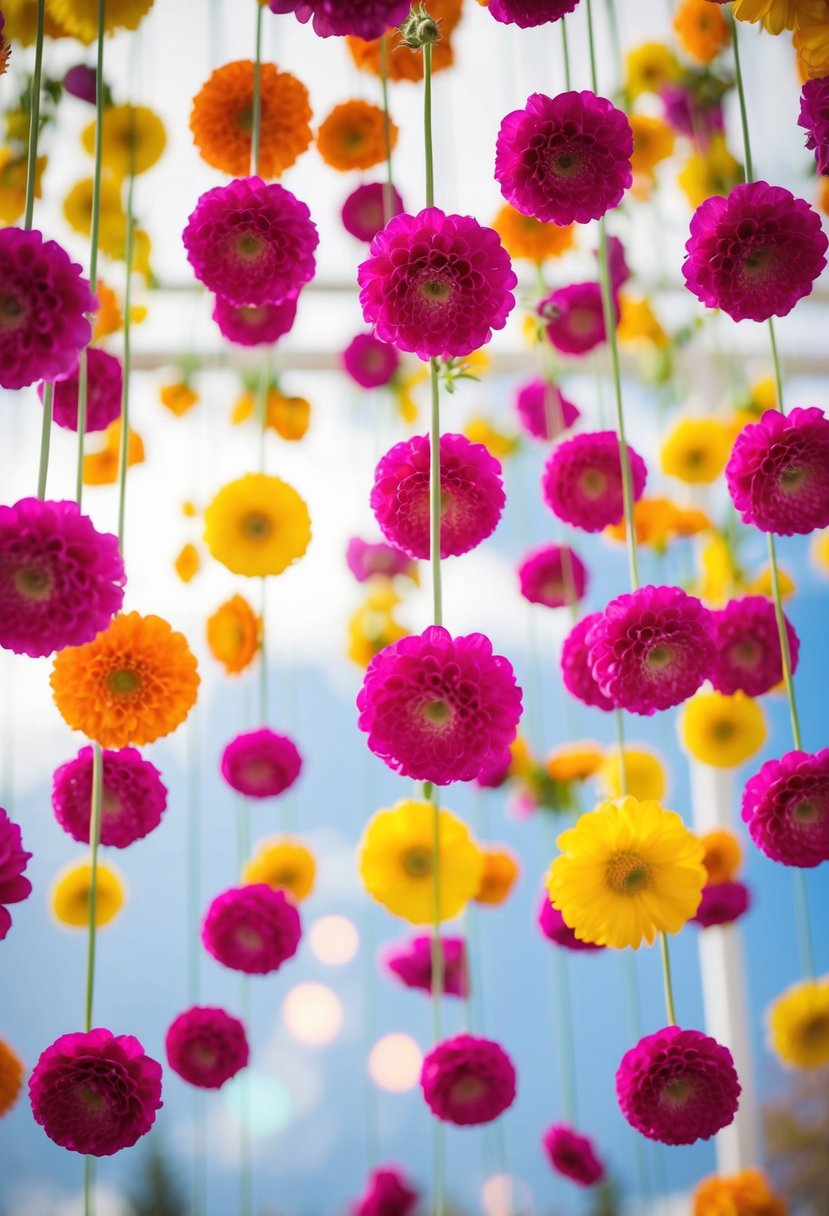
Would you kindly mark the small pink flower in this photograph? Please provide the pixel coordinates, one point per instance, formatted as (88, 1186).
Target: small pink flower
(722, 903)
(747, 645)
(255, 325)
(14, 888)
(411, 963)
(778, 472)
(543, 411)
(571, 1155)
(366, 560)
(104, 379)
(582, 480)
(553, 925)
(363, 212)
(369, 362)
(261, 763)
(134, 797)
(254, 929)
(553, 575)
(388, 1193)
(576, 671)
(574, 316)
(206, 1047)
(468, 1080)
(786, 808)
(814, 118)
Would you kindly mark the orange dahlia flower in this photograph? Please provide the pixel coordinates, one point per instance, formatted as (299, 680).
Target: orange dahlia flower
(353, 136)
(499, 875)
(403, 63)
(134, 683)
(11, 1077)
(222, 119)
(701, 29)
(523, 236)
(744, 1194)
(233, 634)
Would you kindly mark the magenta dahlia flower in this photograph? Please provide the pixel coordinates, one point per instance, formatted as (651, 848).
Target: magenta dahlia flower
(755, 253)
(747, 645)
(369, 362)
(571, 1155)
(564, 159)
(251, 242)
(105, 381)
(651, 649)
(468, 1080)
(543, 411)
(553, 575)
(814, 118)
(81, 81)
(364, 213)
(786, 808)
(778, 472)
(574, 316)
(678, 1086)
(411, 963)
(527, 13)
(495, 775)
(44, 301)
(95, 1093)
(553, 925)
(253, 929)
(616, 263)
(134, 797)
(471, 495)
(261, 763)
(722, 903)
(259, 325)
(206, 1046)
(14, 888)
(368, 19)
(692, 112)
(61, 582)
(576, 671)
(436, 285)
(367, 560)
(388, 1193)
(438, 708)
(582, 480)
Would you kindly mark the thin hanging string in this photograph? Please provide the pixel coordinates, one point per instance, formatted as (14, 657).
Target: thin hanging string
(565, 54)
(388, 184)
(801, 899)
(369, 1021)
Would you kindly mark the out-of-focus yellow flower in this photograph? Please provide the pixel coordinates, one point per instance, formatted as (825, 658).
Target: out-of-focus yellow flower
(798, 1024)
(526, 237)
(402, 385)
(744, 1194)
(80, 17)
(649, 67)
(77, 209)
(644, 775)
(189, 510)
(819, 551)
(374, 625)
(100, 468)
(12, 1073)
(70, 895)
(284, 864)
(178, 398)
(719, 578)
(779, 15)
(233, 634)
(653, 141)
(657, 522)
(761, 584)
(696, 451)
(21, 22)
(13, 184)
(722, 855)
(521, 759)
(257, 525)
(574, 761)
(500, 873)
(481, 430)
(701, 29)
(722, 731)
(639, 324)
(763, 394)
(811, 41)
(690, 521)
(188, 563)
(289, 416)
(133, 139)
(710, 171)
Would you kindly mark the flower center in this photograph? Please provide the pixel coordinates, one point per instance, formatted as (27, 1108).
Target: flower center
(11, 311)
(259, 772)
(437, 712)
(91, 1101)
(468, 1089)
(677, 1091)
(626, 873)
(746, 653)
(110, 804)
(257, 526)
(123, 682)
(249, 246)
(659, 657)
(593, 483)
(723, 730)
(353, 138)
(566, 164)
(248, 939)
(815, 1029)
(204, 1057)
(582, 322)
(792, 479)
(285, 877)
(32, 583)
(244, 119)
(806, 812)
(417, 861)
(251, 315)
(756, 262)
(437, 291)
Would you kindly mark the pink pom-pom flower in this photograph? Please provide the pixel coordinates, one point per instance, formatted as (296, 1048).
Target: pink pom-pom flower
(814, 118)
(576, 671)
(133, 802)
(105, 380)
(747, 642)
(553, 575)
(553, 925)
(369, 362)
(254, 929)
(388, 1193)
(722, 903)
(468, 1080)
(778, 472)
(254, 325)
(364, 211)
(786, 808)
(368, 560)
(528, 13)
(14, 888)
(367, 19)
(574, 317)
(582, 480)
(206, 1046)
(261, 763)
(543, 411)
(572, 1155)
(411, 963)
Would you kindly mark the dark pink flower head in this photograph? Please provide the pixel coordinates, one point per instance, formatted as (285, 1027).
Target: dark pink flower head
(778, 472)
(366, 560)
(471, 492)
(571, 1155)
(364, 213)
(411, 963)
(575, 318)
(748, 647)
(14, 888)
(617, 263)
(691, 112)
(81, 82)
(251, 242)
(582, 480)
(814, 118)
(553, 925)
(553, 575)
(61, 582)
(722, 903)
(388, 1193)
(527, 13)
(370, 362)
(438, 708)
(564, 159)
(368, 19)
(104, 379)
(436, 285)
(755, 253)
(496, 774)
(261, 763)
(255, 325)
(543, 411)
(206, 1046)
(43, 305)
(134, 797)
(786, 808)
(678, 1086)
(468, 1080)
(254, 929)
(651, 649)
(95, 1093)
(576, 671)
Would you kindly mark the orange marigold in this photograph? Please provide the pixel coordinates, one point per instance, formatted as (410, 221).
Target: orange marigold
(701, 29)
(499, 875)
(658, 521)
(11, 1077)
(353, 136)
(722, 855)
(526, 237)
(744, 1194)
(574, 761)
(222, 119)
(403, 63)
(108, 316)
(134, 683)
(233, 634)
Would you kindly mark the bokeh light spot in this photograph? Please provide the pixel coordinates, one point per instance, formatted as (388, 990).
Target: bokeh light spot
(260, 1097)
(313, 1014)
(334, 940)
(504, 1195)
(394, 1063)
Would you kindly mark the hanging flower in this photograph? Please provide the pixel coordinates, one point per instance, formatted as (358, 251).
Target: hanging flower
(387, 1193)
(366, 561)
(786, 808)
(582, 480)
(722, 856)
(778, 473)
(709, 170)
(696, 449)
(574, 318)
(104, 392)
(374, 626)
(438, 708)
(179, 398)
(678, 1086)
(527, 13)
(814, 118)
(649, 67)
(353, 136)
(436, 285)
(776, 15)
(364, 211)
(693, 106)
(101, 468)
(289, 417)
(755, 253)
(554, 927)
(574, 761)
(369, 362)
(747, 642)
(397, 862)
(722, 731)
(702, 31)
(722, 904)
(471, 493)
(798, 1024)
(627, 871)
(81, 81)
(643, 777)
(14, 888)
(360, 18)
(553, 575)
(233, 634)
(576, 670)
(572, 1155)
(79, 18)
(187, 563)
(411, 963)
(12, 1072)
(133, 800)
(468, 1080)
(259, 325)
(564, 159)
(811, 39)
(261, 764)
(257, 525)
(251, 243)
(253, 929)
(523, 236)
(744, 1194)
(639, 326)
(206, 1046)
(284, 864)
(500, 874)
(69, 897)
(133, 137)
(544, 411)
(497, 442)
(653, 142)
(135, 683)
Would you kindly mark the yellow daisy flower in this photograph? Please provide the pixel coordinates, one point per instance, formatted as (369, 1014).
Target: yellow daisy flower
(644, 776)
(21, 22)
(133, 139)
(499, 876)
(396, 862)
(711, 171)
(80, 17)
(696, 451)
(627, 871)
(722, 731)
(798, 1024)
(69, 896)
(480, 430)
(649, 67)
(722, 855)
(284, 864)
(639, 324)
(779, 15)
(257, 525)
(77, 209)
(374, 625)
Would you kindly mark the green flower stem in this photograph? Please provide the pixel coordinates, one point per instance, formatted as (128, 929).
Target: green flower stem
(388, 184)
(256, 125)
(741, 94)
(427, 123)
(34, 119)
(45, 439)
(666, 971)
(565, 51)
(562, 1004)
(124, 444)
(83, 395)
(620, 743)
(94, 841)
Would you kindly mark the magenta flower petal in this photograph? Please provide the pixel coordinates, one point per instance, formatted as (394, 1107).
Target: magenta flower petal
(571, 1155)
(553, 925)
(134, 797)
(814, 118)
(553, 575)
(468, 1080)
(261, 763)
(388, 1193)
(253, 929)
(367, 19)
(576, 671)
(206, 1047)
(370, 362)
(543, 411)
(747, 642)
(259, 325)
(104, 379)
(528, 13)
(786, 808)
(364, 213)
(575, 317)
(722, 903)
(778, 472)
(410, 962)
(366, 560)
(582, 480)
(14, 888)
